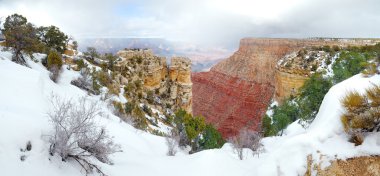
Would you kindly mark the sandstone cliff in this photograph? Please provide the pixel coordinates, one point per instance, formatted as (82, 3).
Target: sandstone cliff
(236, 92)
(287, 84)
(163, 85)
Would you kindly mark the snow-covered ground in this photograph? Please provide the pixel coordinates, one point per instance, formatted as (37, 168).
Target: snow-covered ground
(24, 103)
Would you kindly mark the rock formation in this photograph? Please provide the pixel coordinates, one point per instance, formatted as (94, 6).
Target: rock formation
(287, 84)
(165, 86)
(235, 92)
(181, 85)
(294, 69)
(365, 165)
(70, 51)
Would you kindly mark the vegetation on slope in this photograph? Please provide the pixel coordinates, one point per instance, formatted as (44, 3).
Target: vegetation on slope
(195, 132)
(305, 106)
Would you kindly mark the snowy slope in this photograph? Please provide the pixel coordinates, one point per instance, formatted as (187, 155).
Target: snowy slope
(286, 155)
(24, 102)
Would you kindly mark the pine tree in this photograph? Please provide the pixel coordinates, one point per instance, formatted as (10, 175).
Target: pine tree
(91, 53)
(75, 45)
(54, 60)
(111, 59)
(54, 64)
(53, 38)
(21, 36)
(211, 138)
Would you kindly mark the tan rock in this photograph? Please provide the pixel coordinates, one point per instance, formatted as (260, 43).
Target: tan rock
(180, 70)
(173, 81)
(287, 84)
(367, 165)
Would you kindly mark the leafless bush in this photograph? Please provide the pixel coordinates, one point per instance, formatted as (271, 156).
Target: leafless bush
(76, 135)
(84, 81)
(246, 139)
(172, 142)
(55, 72)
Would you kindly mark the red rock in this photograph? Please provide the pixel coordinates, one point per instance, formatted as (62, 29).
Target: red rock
(228, 102)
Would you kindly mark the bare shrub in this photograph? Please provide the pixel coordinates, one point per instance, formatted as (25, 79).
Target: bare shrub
(55, 72)
(84, 81)
(246, 139)
(172, 141)
(76, 135)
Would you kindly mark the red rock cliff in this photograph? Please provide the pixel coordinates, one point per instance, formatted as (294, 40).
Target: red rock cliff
(229, 103)
(256, 58)
(237, 91)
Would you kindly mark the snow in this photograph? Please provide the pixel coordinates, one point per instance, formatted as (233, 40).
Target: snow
(270, 111)
(329, 70)
(24, 102)
(325, 134)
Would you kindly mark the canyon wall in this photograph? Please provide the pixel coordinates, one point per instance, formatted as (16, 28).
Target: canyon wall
(235, 93)
(229, 103)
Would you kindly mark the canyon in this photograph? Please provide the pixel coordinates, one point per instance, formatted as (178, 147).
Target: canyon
(236, 92)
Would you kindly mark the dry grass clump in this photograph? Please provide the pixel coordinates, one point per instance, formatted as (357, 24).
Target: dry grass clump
(362, 113)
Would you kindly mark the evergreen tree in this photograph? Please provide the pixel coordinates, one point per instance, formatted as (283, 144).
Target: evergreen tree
(267, 126)
(21, 36)
(111, 59)
(91, 53)
(311, 96)
(194, 126)
(54, 64)
(211, 138)
(54, 60)
(53, 38)
(75, 45)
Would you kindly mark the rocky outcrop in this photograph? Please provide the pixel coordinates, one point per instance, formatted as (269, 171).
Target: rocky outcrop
(235, 92)
(181, 87)
(169, 86)
(70, 51)
(367, 165)
(287, 84)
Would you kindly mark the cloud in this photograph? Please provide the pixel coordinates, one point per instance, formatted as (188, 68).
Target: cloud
(212, 22)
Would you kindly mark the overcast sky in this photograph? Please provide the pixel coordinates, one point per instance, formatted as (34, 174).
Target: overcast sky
(214, 22)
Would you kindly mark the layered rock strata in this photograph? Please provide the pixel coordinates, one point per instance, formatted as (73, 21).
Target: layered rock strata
(230, 103)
